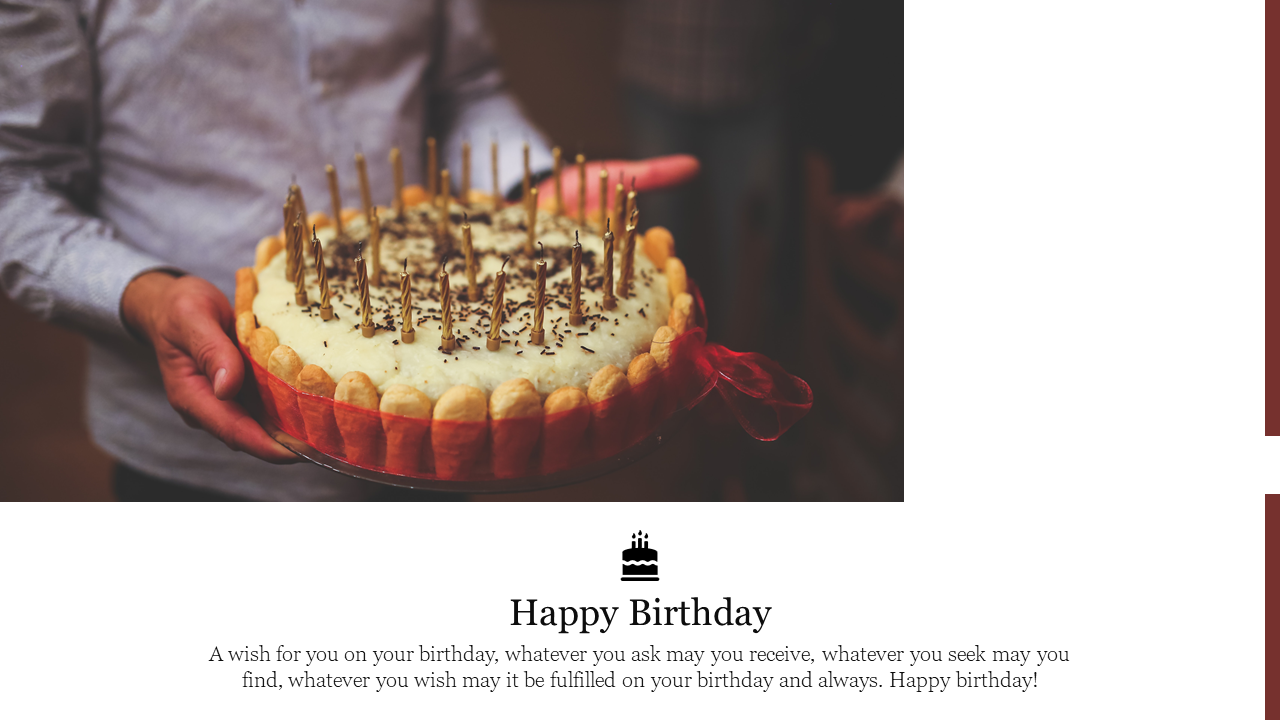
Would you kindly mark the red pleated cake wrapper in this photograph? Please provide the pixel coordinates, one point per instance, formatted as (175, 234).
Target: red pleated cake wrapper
(762, 396)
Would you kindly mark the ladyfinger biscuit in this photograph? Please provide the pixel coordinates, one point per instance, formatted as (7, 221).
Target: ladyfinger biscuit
(246, 289)
(261, 343)
(267, 249)
(564, 424)
(458, 430)
(516, 411)
(246, 323)
(318, 219)
(660, 348)
(645, 378)
(355, 411)
(659, 245)
(680, 319)
(349, 214)
(609, 395)
(413, 195)
(317, 414)
(406, 414)
(285, 364)
(677, 278)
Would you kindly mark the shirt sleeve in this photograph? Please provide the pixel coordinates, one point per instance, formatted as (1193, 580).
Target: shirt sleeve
(56, 259)
(469, 98)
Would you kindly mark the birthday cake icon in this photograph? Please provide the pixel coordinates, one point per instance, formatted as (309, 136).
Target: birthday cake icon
(639, 562)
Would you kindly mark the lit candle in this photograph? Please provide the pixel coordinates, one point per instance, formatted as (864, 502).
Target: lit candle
(495, 316)
(334, 196)
(299, 277)
(582, 189)
(406, 305)
(493, 158)
(604, 195)
(537, 336)
(375, 248)
(473, 292)
(362, 286)
(431, 167)
(362, 172)
(531, 221)
(628, 257)
(575, 284)
(397, 178)
(465, 191)
(609, 301)
(555, 170)
(322, 277)
(527, 177)
(447, 341)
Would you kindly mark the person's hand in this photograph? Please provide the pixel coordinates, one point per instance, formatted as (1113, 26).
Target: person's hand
(187, 321)
(648, 175)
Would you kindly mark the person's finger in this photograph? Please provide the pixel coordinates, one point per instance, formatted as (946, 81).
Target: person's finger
(225, 420)
(205, 339)
(651, 174)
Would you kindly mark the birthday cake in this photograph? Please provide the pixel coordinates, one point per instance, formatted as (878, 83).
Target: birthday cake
(639, 562)
(438, 316)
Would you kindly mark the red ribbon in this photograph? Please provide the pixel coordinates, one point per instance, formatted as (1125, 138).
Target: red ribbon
(764, 398)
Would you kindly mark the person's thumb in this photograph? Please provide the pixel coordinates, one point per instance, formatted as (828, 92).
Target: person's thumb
(209, 345)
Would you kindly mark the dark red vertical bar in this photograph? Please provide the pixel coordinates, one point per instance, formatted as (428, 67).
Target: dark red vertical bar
(1271, 622)
(1272, 320)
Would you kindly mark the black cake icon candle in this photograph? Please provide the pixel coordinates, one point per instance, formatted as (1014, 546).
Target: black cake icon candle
(639, 562)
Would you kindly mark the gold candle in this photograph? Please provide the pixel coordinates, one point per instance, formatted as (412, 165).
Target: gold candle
(442, 202)
(575, 285)
(335, 197)
(302, 205)
(406, 305)
(582, 189)
(322, 277)
(299, 277)
(286, 233)
(431, 167)
(447, 341)
(619, 202)
(473, 291)
(537, 335)
(375, 248)
(497, 195)
(397, 178)
(631, 202)
(362, 286)
(362, 172)
(604, 195)
(527, 177)
(495, 316)
(628, 257)
(609, 301)
(531, 221)
(558, 208)
(465, 191)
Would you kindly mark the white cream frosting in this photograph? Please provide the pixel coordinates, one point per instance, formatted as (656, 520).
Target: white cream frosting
(339, 347)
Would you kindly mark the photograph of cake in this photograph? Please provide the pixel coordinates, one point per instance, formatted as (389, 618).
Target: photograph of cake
(414, 251)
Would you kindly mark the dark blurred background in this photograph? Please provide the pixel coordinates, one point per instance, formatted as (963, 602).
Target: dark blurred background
(794, 232)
